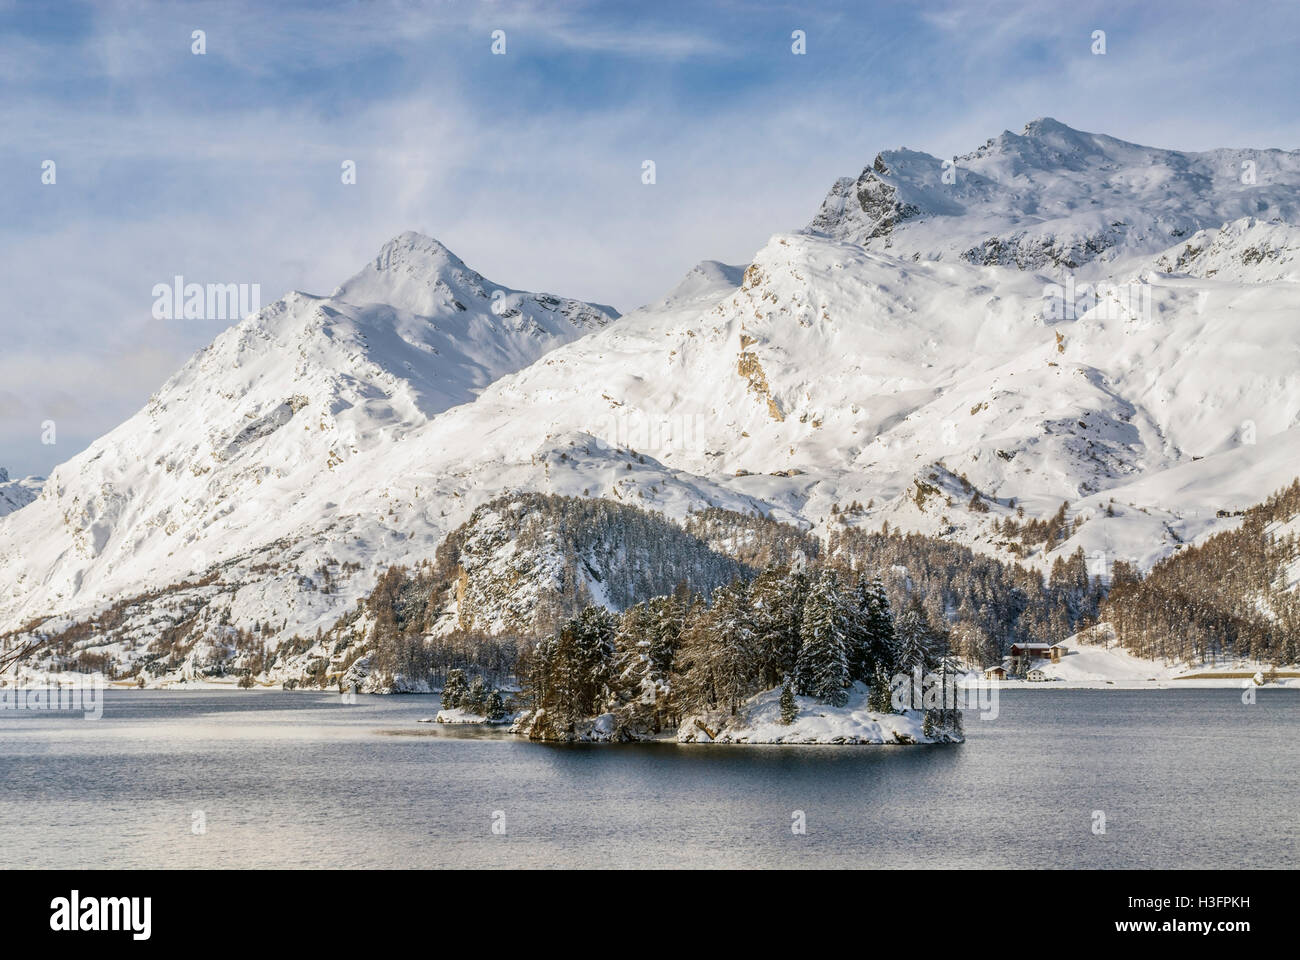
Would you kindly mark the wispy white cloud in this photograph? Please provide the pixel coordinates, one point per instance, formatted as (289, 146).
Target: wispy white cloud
(666, 44)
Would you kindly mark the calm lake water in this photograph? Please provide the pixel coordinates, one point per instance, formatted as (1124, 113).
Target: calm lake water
(1185, 778)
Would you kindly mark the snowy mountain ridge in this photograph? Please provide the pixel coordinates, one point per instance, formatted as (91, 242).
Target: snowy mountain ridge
(1248, 250)
(1053, 197)
(15, 494)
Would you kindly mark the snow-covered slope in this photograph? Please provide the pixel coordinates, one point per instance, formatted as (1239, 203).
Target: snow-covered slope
(759, 721)
(250, 444)
(15, 494)
(1094, 659)
(837, 374)
(884, 371)
(1053, 196)
(525, 558)
(704, 284)
(1246, 250)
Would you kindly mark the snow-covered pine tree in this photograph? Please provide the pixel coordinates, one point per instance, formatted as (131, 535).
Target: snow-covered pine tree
(879, 699)
(476, 700)
(732, 655)
(454, 689)
(789, 707)
(566, 685)
(694, 687)
(640, 683)
(950, 670)
(777, 598)
(593, 667)
(631, 645)
(882, 642)
(559, 680)
(916, 644)
(668, 615)
(536, 673)
(823, 665)
(861, 623)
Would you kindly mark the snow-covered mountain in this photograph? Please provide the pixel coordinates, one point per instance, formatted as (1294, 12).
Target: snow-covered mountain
(836, 374)
(15, 494)
(1052, 196)
(244, 446)
(925, 356)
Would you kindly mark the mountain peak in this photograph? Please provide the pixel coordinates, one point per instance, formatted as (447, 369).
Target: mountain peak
(414, 242)
(707, 280)
(418, 274)
(414, 272)
(1046, 125)
(412, 251)
(1048, 144)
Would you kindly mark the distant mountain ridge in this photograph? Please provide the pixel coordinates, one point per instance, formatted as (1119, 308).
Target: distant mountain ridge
(15, 494)
(1052, 197)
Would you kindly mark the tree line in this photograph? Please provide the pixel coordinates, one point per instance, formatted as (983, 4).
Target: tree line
(986, 604)
(1230, 596)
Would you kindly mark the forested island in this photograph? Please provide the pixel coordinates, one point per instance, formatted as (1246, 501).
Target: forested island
(822, 657)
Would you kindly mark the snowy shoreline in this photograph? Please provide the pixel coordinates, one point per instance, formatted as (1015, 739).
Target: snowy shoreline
(758, 721)
(1167, 683)
(1107, 666)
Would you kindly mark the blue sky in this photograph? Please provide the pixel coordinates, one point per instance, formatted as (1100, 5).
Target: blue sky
(225, 167)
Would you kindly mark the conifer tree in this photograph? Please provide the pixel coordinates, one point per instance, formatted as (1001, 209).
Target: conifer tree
(592, 669)
(476, 699)
(789, 708)
(694, 687)
(634, 677)
(857, 637)
(823, 665)
(732, 657)
(882, 641)
(777, 598)
(879, 700)
(916, 644)
(454, 689)
(872, 640)
(669, 615)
